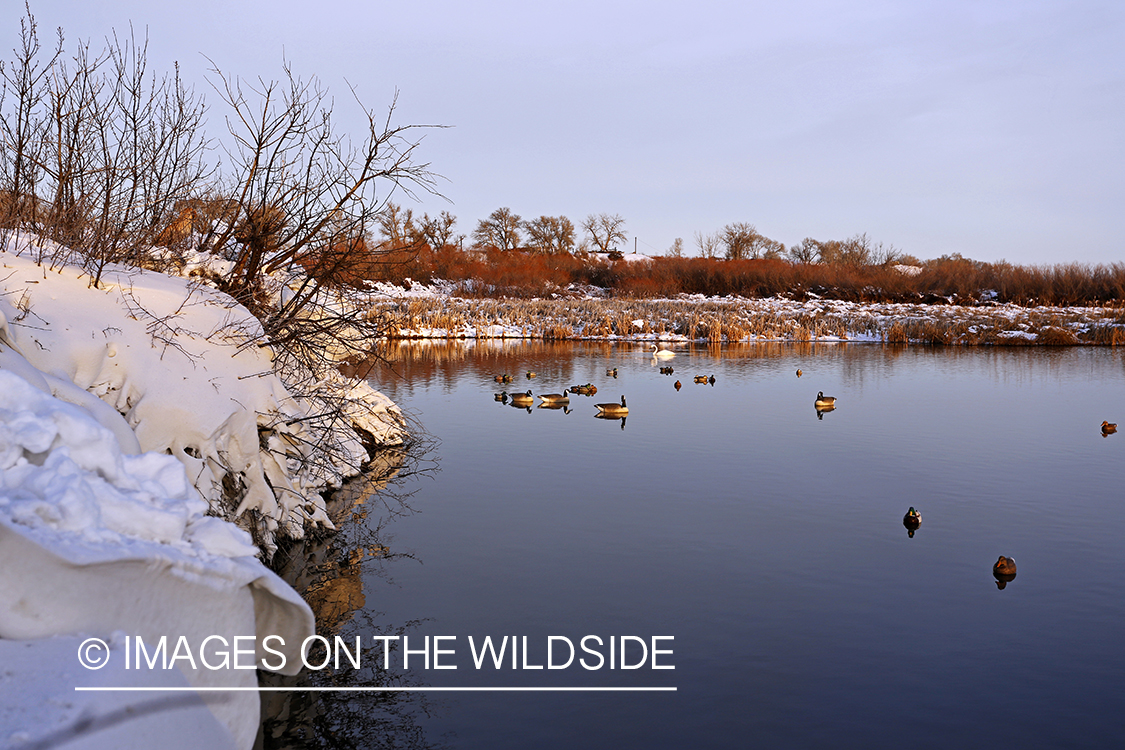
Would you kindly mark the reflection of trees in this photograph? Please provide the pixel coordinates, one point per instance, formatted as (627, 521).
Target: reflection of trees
(329, 572)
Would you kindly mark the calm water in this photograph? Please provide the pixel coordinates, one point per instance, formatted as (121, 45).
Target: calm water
(769, 542)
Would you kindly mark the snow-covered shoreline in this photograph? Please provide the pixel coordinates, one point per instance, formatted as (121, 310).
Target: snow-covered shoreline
(149, 454)
(436, 312)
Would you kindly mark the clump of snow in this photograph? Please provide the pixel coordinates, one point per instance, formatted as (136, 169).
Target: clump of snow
(95, 540)
(187, 369)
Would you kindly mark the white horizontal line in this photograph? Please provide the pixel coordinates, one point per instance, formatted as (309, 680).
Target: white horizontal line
(376, 689)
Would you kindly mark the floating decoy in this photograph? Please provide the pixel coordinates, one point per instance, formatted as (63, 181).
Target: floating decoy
(530, 374)
(521, 399)
(556, 398)
(1005, 566)
(1108, 428)
(612, 372)
(613, 410)
(502, 396)
(678, 386)
(798, 372)
(663, 353)
(700, 378)
(824, 401)
(499, 378)
(912, 520)
(711, 380)
(1004, 571)
(666, 370)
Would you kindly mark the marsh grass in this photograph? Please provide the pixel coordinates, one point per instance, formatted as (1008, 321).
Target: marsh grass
(730, 320)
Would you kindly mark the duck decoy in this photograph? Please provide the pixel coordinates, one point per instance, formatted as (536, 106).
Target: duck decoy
(502, 397)
(912, 520)
(611, 371)
(662, 353)
(1108, 428)
(823, 401)
(700, 378)
(678, 386)
(531, 374)
(711, 380)
(798, 372)
(521, 399)
(1004, 571)
(613, 410)
(556, 398)
(499, 378)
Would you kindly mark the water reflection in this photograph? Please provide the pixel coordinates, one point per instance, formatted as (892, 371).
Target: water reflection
(610, 418)
(822, 410)
(329, 573)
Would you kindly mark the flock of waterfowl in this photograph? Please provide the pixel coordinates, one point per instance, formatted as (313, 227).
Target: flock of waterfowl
(1004, 570)
(613, 410)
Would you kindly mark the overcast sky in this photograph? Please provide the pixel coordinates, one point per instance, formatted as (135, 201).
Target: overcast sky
(992, 129)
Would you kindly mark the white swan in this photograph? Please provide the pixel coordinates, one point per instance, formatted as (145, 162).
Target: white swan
(662, 353)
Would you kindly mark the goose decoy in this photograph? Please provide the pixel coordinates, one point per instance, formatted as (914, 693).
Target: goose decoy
(613, 410)
(556, 398)
(798, 372)
(1108, 428)
(663, 353)
(824, 401)
(521, 399)
(1004, 571)
(678, 386)
(912, 520)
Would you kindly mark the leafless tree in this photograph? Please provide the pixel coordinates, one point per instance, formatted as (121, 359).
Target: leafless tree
(743, 241)
(23, 89)
(806, 252)
(677, 248)
(438, 232)
(708, 244)
(298, 185)
(500, 230)
(98, 146)
(550, 234)
(396, 225)
(604, 231)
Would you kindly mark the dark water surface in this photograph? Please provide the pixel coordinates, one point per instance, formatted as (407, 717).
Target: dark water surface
(770, 543)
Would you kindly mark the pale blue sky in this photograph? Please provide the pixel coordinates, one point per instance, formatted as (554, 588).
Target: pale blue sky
(993, 129)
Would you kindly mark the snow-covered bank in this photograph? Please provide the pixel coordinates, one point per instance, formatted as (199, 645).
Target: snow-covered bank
(140, 421)
(435, 312)
(186, 368)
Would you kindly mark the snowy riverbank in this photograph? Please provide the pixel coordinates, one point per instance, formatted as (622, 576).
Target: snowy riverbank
(435, 311)
(146, 445)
